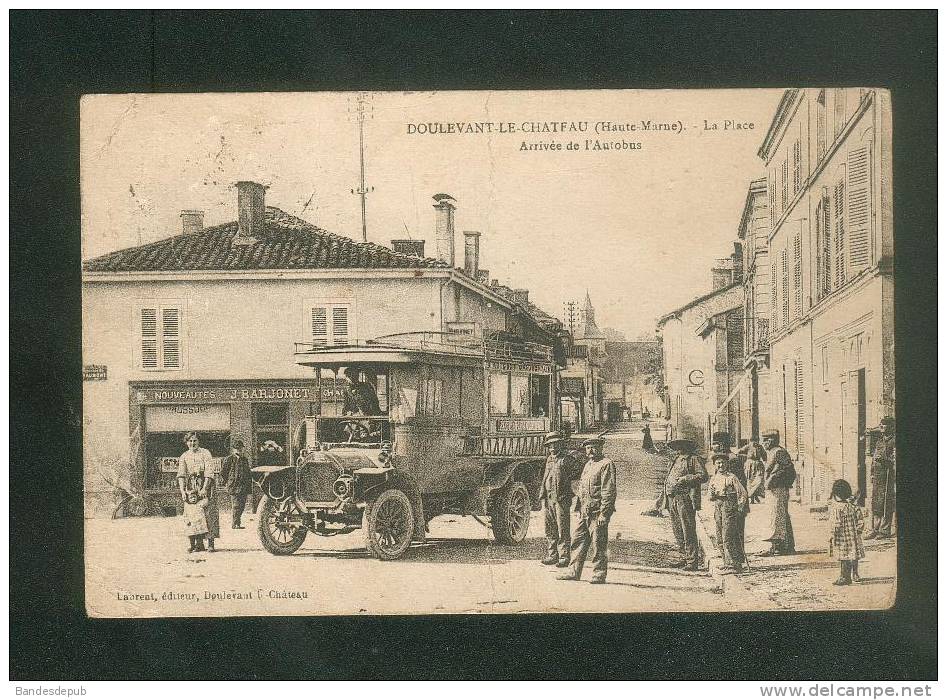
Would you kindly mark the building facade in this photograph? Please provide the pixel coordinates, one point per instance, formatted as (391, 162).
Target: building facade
(197, 332)
(753, 232)
(702, 347)
(830, 253)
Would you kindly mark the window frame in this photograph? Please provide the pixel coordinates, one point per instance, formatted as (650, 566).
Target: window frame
(330, 304)
(160, 306)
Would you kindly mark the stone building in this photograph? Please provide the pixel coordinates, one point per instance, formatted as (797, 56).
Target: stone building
(830, 251)
(702, 346)
(753, 233)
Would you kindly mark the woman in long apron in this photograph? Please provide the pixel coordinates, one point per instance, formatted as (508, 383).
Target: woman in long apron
(196, 473)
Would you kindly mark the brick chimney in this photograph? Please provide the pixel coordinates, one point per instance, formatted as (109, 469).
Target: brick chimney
(722, 273)
(471, 253)
(444, 227)
(521, 296)
(408, 247)
(250, 211)
(483, 277)
(192, 221)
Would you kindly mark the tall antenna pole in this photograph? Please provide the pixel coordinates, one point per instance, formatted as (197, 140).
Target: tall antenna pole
(362, 103)
(571, 315)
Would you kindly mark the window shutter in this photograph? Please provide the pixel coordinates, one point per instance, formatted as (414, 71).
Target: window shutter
(170, 338)
(800, 406)
(784, 284)
(820, 125)
(774, 296)
(771, 185)
(784, 189)
(825, 220)
(840, 233)
(149, 338)
(340, 325)
(796, 167)
(797, 275)
(859, 209)
(320, 327)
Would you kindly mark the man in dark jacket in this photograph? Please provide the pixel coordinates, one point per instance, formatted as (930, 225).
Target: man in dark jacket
(235, 476)
(555, 493)
(780, 475)
(595, 504)
(882, 482)
(682, 491)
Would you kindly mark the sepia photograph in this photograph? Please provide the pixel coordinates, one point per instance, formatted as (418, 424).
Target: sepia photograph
(490, 352)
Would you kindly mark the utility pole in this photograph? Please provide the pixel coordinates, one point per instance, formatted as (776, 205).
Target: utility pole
(363, 105)
(571, 317)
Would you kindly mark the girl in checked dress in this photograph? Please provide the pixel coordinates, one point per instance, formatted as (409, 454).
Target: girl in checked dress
(845, 534)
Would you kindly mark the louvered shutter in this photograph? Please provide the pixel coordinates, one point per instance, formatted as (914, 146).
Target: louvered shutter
(800, 405)
(170, 338)
(839, 233)
(784, 284)
(784, 186)
(774, 296)
(340, 325)
(320, 326)
(825, 221)
(796, 167)
(820, 125)
(859, 209)
(797, 275)
(149, 338)
(771, 185)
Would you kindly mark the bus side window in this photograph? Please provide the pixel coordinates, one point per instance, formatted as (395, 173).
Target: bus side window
(539, 395)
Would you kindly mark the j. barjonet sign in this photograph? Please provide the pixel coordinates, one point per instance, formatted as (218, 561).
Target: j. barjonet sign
(197, 395)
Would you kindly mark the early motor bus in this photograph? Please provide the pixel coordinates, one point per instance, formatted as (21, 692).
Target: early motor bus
(432, 423)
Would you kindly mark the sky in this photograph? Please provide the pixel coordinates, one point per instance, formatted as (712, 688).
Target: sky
(638, 227)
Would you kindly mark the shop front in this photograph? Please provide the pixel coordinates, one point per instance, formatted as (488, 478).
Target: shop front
(264, 414)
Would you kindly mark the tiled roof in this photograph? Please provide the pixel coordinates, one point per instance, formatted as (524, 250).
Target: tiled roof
(287, 243)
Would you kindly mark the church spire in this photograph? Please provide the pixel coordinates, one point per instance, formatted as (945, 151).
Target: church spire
(591, 329)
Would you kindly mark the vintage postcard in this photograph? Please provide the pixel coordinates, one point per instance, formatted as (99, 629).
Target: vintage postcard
(488, 352)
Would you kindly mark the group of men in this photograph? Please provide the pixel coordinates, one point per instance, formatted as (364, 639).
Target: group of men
(594, 501)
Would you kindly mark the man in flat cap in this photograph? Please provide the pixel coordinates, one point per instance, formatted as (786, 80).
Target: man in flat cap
(235, 476)
(882, 481)
(555, 493)
(595, 504)
(682, 492)
(779, 475)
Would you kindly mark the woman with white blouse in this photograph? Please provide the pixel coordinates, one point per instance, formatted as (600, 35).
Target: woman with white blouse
(196, 473)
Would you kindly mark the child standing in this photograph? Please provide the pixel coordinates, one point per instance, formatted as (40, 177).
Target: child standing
(845, 535)
(731, 508)
(195, 521)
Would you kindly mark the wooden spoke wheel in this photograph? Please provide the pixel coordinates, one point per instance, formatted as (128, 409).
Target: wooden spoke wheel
(281, 526)
(389, 525)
